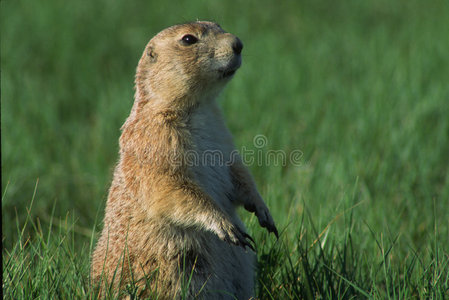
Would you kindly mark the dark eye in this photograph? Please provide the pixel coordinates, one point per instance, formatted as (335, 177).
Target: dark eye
(189, 39)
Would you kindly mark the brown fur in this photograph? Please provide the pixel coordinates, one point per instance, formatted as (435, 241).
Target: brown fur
(164, 215)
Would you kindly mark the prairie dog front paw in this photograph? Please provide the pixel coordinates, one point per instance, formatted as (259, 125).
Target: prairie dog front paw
(233, 234)
(265, 219)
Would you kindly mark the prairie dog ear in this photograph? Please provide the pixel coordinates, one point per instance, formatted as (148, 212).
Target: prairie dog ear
(151, 53)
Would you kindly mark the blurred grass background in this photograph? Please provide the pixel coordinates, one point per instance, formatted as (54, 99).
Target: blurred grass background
(360, 87)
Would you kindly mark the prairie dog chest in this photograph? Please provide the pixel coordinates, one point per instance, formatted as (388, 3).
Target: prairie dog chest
(212, 154)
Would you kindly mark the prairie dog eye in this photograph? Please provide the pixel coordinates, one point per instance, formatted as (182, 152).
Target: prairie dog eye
(189, 39)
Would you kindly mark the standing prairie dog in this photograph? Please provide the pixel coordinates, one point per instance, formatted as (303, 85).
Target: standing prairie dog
(170, 224)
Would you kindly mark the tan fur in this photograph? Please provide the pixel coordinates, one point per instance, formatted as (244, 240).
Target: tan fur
(168, 214)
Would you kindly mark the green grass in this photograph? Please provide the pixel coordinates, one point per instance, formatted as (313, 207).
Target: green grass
(360, 87)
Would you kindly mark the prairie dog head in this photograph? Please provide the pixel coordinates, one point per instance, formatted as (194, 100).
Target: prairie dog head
(188, 62)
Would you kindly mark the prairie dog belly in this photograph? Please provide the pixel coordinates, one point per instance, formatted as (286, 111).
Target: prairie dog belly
(210, 161)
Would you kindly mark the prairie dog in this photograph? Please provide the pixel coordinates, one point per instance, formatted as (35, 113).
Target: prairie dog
(170, 215)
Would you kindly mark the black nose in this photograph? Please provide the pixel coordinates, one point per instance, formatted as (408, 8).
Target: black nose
(237, 46)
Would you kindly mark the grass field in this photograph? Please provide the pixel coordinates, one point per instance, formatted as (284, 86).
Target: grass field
(361, 88)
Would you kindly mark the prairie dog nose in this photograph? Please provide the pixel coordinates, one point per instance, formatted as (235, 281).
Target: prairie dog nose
(237, 46)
